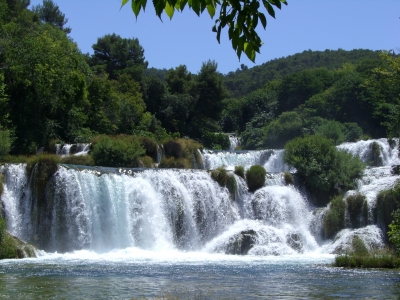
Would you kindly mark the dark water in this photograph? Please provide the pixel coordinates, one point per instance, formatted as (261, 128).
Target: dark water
(191, 277)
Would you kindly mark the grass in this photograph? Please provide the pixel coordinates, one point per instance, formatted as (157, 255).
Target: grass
(378, 259)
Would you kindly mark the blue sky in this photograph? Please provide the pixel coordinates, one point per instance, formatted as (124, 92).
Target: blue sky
(187, 39)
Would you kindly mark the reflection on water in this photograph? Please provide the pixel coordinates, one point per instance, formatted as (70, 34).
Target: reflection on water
(232, 278)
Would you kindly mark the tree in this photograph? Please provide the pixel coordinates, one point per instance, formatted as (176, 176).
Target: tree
(324, 169)
(241, 17)
(50, 13)
(116, 55)
(45, 77)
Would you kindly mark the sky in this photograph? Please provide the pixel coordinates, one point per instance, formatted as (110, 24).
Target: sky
(188, 40)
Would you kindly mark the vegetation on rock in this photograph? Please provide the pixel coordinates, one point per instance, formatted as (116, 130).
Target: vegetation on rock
(255, 177)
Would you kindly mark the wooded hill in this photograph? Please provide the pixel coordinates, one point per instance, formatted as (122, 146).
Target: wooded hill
(51, 92)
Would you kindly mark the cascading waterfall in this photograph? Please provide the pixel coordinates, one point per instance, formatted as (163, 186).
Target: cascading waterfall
(158, 209)
(234, 142)
(72, 149)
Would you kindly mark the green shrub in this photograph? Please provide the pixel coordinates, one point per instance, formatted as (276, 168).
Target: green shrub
(225, 179)
(117, 151)
(213, 140)
(332, 130)
(394, 230)
(146, 161)
(358, 246)
(177, 163)
(11, 247)
(386, 203)
(288, 178)
(5, 143)
(84, 160)
(7, 249)
(174, 148)
(182, 149)
(239, 171)
(357, 207)
(324, 169)
(150, 145)
(231, 184)
(220, 175)
(377, 259)
(376, 159)
(334, 220)
(255, 177)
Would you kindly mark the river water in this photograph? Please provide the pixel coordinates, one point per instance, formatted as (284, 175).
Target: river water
(134, 273)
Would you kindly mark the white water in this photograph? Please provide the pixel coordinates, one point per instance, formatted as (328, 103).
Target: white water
(272, 160)
(180, 212)
(362, 149)
(79, 149)
(234, 142)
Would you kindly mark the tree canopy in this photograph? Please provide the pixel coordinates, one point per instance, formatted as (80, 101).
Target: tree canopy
(241, 16)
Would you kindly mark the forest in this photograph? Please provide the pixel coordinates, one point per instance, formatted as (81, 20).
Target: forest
(51, 92)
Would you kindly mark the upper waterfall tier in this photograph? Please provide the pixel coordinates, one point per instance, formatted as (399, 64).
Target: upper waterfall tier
(271, 160)
(381, 152)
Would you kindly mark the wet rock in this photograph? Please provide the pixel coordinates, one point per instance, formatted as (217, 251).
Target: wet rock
(294, 241)
(242, 243)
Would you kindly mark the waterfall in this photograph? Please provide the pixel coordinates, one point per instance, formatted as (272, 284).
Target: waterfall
(213, 159)
(102, 209)
(234, 142)
(388, 150)
(72, 149)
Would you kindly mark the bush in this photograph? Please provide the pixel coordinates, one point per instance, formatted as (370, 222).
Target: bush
(288, 178)
(213, 140)
(376, 159)
(176, 163)
(394, 232)
(84, 160)
(357, 207)
(220, 175)
(255, 177)
(146, 161)
(324, 169)
(334, 219)
(377, 259)
(5, 143)
(332, 130)
(117, 151)
(150, 145)
(239, 171)
(182, 149)
(358, 246)
(387, 202)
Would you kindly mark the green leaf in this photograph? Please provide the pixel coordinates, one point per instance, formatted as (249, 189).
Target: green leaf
(269, 8)
(249, 50)
(124, 2)
(195, 5)
(169, 10)
(159, 6)
(263, 19)
(211, 10)
(182, 4)
(136, 7)
(277, 3)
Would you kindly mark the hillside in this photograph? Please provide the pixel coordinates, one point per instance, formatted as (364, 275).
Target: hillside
(242, 82)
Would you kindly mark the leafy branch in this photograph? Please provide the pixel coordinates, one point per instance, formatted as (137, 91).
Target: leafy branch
(241, 16)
